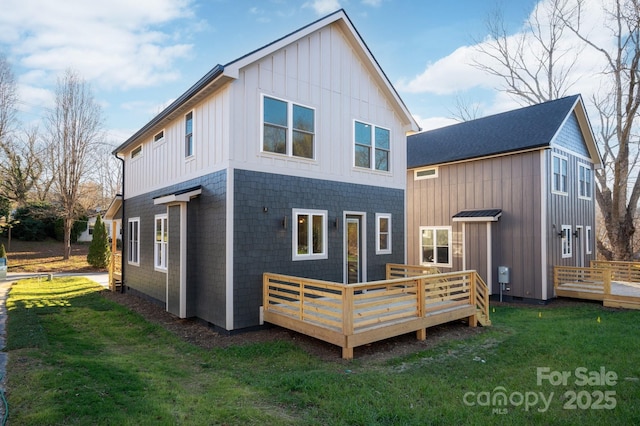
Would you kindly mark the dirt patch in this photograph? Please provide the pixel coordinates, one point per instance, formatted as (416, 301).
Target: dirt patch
(200, 334)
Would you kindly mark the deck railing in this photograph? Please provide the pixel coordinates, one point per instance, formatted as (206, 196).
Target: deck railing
(350, 315)
(115, 273)
(620, 271)
(584, 283)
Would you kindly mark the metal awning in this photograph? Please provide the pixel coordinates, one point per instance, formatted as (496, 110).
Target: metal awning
(114, 211)
(486, 215)
(181, 196)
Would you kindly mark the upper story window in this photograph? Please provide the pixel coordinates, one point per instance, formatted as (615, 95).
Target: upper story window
(559, 174)
(383, 233)
(287, 128)
(133, 255)
(372, 146)
(137, 151)
(188, 134)
(159, 137)
(585, 181)
(427, 173)
(435, 245)
(309, 234)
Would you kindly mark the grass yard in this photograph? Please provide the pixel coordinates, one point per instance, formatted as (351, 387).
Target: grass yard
(77, 358)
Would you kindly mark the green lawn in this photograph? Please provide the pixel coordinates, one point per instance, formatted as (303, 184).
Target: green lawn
(78, 358)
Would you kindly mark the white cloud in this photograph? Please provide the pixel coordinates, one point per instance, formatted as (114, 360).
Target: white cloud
(433, 122)
(323, 7)
(117, 43)
(374, 3)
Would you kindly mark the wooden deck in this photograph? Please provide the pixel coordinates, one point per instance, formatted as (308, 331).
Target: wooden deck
(411, 299)
(616, 284)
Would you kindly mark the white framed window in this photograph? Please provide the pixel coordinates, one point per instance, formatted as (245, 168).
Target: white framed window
(559, 174)
(188, 134)
(288, 128)
(309, 234)
(136, 152)
(588, 238)
(161, 242)
(372, 146)
(159, 137)
(567, 242)
(585, 181)
(383, 233)
(425, 173)
(435, 245)
(133, 255)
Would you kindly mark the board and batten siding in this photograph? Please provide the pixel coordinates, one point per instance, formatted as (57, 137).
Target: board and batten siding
(510, 183)
(320, 71)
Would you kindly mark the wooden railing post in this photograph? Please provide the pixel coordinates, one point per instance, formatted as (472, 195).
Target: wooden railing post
(422, 333)
(347, 321)
(606, 276)
(265, 292)
(473, 319)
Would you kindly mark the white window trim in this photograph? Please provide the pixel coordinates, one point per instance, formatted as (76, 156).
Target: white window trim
(567, 242)
(588, 236)
(449, 263)
(139, 154)
(193, 139)
(587, 169)
(164, 246)
(294, 235)
(562, 158)
(372, 156)
(132, 220)
(289, 147)
(388, 250)
(417, 171)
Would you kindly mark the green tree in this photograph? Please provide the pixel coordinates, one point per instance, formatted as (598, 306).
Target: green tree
(99, 252)
(3, 252)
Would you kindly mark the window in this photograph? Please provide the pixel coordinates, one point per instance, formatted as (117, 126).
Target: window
(134, 241)
(159, 137)
(559, 174)
(285, 121)
(309, 234)
(372, 146)
(161, 242)
(587, 243)
(585, 180)
(429, 173)
(188, 134)
(137, 151)
(435, 245)
(566, 240)
(383, 233)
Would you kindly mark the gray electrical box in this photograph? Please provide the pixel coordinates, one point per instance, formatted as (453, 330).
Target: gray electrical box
(503, 274)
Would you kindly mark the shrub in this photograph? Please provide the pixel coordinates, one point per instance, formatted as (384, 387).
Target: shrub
(34, 222)
(3, 252)
(99, 252)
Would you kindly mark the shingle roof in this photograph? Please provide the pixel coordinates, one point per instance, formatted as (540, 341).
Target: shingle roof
(485, 215)
(521, 129)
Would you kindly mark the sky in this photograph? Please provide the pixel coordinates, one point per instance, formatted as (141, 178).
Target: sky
(138, 56)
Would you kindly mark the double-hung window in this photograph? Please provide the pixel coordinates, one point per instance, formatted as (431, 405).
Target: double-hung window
(287, 128)
(559, 174)
(161, 242)
(133, 256)
(188, 134)
(435, 245)
(372, 146)
(309, 234)
(585, 181)
(383, 233)
(566, 240)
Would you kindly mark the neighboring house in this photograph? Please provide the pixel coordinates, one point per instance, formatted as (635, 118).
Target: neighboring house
(514, 189)
(87, 234)
(290, 159)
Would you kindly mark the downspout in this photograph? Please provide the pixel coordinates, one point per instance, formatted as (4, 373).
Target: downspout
(122, 228)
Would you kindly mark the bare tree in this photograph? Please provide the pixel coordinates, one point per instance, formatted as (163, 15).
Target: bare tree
(21, 167)
(534, 65)
(8, 100)
(74, 129)
(465, 110)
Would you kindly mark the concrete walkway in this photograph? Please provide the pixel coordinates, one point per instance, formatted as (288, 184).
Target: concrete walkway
(5, 287)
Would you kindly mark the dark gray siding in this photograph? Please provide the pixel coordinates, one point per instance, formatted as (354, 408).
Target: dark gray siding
(206, 250)
(510, 183)
(173, 261)
(261, 244)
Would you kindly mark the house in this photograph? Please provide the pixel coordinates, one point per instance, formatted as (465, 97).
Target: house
(290, 159)
(514, 189)
(87, 234)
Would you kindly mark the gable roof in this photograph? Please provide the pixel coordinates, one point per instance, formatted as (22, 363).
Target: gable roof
(524, 129)
(222, 74)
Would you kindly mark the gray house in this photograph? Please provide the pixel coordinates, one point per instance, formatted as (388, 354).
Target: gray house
(290, 159)
(514, 189)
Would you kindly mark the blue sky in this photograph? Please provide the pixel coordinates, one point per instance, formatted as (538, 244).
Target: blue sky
(139, 56)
